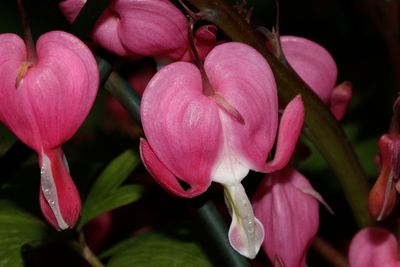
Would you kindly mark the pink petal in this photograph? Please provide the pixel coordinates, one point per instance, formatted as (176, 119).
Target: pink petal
(167, 179)
(152, 27)
(134, 28)
(373, 247)
(19, 120)
(289, 132)
(59, 199)
(340, 99)
(312, 62)
(289, 216)
(243, 77)
(106, 33)
(56, 93)
(182, 125)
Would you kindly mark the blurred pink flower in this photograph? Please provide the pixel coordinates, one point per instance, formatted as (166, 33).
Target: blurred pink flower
(315, 65)
(215, 124)
(374, 247)
(98, 230)
(382, 197)
(286, 206)
(153, 28)
(44, 103)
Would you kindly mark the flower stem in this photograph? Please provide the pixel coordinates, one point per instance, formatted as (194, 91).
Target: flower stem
(330, 254)
(320, 126)
(30, 45)
(82, 249)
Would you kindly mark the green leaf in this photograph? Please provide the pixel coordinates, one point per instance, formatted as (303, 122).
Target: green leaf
(156, 249)
(107, 193)
(17, 228)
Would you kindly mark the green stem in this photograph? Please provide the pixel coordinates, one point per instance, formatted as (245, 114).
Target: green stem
(320, 126)
(30, 46)
(213, 223)
(82, 249)
(87, 17)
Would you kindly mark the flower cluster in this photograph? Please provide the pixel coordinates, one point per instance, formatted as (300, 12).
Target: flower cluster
(209, 114)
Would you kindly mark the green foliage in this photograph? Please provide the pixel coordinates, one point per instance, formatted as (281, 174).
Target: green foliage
(156, 249)
(107, 193)
(17, 228)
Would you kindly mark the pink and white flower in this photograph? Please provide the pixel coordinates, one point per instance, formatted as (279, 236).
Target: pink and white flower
(44, 102)
(215, 124)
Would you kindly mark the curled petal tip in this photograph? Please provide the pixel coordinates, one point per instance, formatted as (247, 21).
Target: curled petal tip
(289, 132)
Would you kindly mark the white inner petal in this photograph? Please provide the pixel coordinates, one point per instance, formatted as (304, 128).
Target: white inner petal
(49, 190)
(229, 170)
(246, 233)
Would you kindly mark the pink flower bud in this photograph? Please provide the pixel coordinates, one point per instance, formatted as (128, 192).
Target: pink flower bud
(382, 197)
(289, 214)
(374, 247)
(216, 126)
(44, 103)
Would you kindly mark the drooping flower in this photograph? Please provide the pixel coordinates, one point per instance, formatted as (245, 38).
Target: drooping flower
(215, 124)
(374, 247)
(43, 102)
(285, 202)
(289, 212)
(382, 197)
(153, 28)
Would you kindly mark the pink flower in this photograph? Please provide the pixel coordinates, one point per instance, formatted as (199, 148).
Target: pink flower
(374, 247)
(215, 124)
(285, 205)
(44, 103)
(153, 28)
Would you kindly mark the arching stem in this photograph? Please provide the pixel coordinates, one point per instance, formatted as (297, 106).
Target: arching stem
(30, 46)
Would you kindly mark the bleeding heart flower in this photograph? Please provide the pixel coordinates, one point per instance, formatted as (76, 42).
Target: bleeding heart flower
(43, 102)
(135, 28)
(215, 124)
(374, 247)
(287, 206)
(285, 202)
